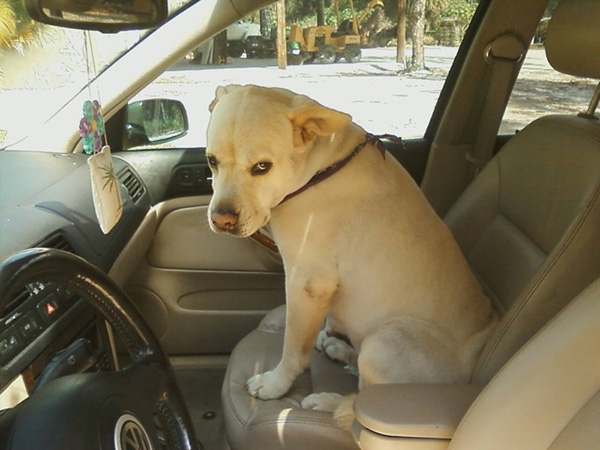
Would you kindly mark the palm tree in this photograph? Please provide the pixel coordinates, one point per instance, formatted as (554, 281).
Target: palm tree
(8, 23)
(17, 29)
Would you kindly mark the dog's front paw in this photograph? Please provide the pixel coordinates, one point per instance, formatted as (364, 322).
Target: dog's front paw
(323, 401)
(268, 385)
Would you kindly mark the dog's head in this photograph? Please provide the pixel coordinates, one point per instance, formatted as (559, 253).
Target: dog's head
(258, 142)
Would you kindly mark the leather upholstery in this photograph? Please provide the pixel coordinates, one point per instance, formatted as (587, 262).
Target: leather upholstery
(548, 395)
(277, 424)
(572, 41)
(528, 225)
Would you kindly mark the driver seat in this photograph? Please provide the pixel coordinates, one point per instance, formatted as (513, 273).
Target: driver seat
(528, 225)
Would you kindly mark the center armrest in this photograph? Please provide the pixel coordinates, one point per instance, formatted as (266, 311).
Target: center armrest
(430, 411)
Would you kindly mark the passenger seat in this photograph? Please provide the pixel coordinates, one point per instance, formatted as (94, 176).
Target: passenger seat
(529, 224)
(547, 397)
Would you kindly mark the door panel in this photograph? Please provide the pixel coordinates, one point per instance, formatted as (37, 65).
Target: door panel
(184, 241)
(200, 292)
(198, 311)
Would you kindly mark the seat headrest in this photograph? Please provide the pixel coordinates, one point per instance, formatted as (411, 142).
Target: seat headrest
(573, 38)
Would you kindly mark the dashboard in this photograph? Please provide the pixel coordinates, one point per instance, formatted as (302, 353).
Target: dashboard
(46, 330)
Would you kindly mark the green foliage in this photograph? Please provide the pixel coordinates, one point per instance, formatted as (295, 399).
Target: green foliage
(162, 121)
(440, 14)
(460, 10)
(8, 23)
(304, 12)
(17, 29)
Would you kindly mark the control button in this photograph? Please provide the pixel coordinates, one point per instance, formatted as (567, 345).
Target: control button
(199, 175)
(185, 176)
(29, 325)
(36, 287)
(66, 292)
(48, 307)
(9, 344)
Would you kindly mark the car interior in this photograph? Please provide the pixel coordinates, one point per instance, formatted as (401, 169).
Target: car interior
(145, 336)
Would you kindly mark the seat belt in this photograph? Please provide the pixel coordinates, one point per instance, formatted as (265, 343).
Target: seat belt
(503, 55)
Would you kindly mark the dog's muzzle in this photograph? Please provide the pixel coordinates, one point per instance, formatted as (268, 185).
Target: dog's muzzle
(224, 219)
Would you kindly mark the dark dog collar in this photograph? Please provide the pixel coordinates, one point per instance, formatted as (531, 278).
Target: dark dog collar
(325, 173)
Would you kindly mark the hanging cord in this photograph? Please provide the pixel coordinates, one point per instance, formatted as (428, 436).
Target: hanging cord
(92, 75)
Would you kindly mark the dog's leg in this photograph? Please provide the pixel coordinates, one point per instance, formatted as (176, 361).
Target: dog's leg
(410, 350)
(307, 305)
(403, 351)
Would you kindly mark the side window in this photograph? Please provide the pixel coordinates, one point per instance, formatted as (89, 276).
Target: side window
(348, 63)
(535, 93)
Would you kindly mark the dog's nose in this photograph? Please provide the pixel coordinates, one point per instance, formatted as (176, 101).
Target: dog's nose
(224, 220)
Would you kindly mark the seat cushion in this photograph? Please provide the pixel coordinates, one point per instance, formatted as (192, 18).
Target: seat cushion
(257, 424)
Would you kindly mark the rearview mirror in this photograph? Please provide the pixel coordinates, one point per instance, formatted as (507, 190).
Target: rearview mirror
(154, 121)
(102, 15)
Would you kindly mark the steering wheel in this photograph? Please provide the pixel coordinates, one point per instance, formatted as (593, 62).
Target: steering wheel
(105, 410)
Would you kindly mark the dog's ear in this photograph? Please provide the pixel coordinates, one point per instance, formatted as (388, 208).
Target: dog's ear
(315, 120)
(220, 92)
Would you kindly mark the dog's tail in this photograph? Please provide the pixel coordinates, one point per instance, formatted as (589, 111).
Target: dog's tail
(344, 413)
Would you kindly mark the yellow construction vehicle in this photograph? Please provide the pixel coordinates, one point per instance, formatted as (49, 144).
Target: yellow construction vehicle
(321, 44)
(373, 25)
(326, 44)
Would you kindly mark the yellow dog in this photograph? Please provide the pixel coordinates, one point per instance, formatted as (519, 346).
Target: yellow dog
(361, 246)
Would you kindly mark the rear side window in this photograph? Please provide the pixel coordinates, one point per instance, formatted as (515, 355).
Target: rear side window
(540, 90)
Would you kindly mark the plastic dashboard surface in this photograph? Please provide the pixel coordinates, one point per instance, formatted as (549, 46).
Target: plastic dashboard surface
(46, 201)
(45, 195)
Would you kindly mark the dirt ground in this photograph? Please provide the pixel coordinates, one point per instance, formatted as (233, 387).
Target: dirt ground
(376, 91)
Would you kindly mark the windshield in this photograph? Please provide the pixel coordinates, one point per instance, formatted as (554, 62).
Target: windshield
(42, 66)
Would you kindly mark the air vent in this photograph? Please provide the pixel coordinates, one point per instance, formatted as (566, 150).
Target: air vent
(132, 184)
(58, 242)
(17, 300)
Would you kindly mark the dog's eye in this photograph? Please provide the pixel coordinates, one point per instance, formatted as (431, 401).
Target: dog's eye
(261, 168)
(212, 161)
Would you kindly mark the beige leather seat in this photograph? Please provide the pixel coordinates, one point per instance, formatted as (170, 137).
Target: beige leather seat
(548, 396)
(529, 226)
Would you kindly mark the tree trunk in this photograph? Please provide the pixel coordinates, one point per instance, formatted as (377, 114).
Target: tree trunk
(418, 35)
(281, 42)
(401, 32)
(265, 22)
(321, 13)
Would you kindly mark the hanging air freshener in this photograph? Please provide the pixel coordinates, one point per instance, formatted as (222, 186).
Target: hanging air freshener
(106, 190)
(91, 127)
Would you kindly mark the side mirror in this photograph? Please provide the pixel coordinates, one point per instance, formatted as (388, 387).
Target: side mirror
(155, 121)
(102, 15)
